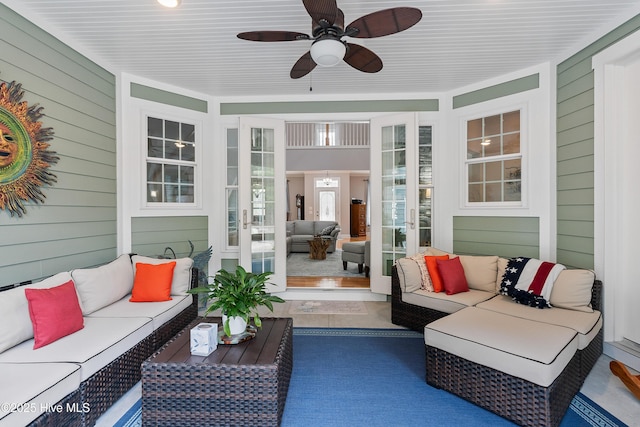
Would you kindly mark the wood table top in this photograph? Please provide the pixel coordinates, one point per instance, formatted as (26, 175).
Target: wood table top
(262, 349)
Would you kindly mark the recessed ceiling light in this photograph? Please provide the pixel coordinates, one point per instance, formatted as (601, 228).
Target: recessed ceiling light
(486, 142)
(170, 3)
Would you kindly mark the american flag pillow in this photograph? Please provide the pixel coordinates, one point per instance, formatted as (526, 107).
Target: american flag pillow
(529, 281)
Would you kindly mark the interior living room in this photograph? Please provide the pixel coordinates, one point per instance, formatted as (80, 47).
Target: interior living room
(494, 129)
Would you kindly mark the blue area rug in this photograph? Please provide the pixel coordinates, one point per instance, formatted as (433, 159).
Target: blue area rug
(376, 377)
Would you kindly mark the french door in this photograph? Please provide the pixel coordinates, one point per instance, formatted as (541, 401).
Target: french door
(261, 201)
(394, 189)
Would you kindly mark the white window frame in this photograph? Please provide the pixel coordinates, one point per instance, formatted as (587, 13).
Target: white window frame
(145, 159)
(523, 156)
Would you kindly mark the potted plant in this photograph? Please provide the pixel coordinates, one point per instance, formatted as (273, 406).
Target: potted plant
(238, 295)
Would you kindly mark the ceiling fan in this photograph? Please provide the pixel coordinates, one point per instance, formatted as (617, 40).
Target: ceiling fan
(328, 29)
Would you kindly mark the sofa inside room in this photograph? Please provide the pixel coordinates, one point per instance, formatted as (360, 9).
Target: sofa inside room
(299, 232)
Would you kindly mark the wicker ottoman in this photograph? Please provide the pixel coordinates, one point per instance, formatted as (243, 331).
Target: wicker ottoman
(244, 384)
(522, 370)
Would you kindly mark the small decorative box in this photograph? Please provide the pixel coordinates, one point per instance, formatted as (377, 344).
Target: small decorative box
(204, 339)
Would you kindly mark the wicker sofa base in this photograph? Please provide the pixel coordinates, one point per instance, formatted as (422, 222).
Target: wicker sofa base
(106, 386)
(513, 398)
(410, 316)
(62, 418)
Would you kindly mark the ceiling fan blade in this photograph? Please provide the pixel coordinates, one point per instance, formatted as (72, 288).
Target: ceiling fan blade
(303, 66)
(361, 58)
(384, 22)
(323, 12)
(273, 36)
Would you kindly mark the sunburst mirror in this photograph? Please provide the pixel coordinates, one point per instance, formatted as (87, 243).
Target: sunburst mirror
(24, 154)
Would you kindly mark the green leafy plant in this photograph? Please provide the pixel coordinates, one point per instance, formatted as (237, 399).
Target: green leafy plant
(238, 293)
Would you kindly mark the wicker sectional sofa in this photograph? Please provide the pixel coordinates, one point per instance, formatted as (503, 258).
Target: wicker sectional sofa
(520, 362)
(75, 379)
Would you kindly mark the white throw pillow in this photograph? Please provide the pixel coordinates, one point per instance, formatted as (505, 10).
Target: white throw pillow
(100, 286)
(181, 272)
(16, 325)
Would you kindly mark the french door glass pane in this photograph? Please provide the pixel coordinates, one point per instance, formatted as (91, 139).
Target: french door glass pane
(393, 196)
(262, 200)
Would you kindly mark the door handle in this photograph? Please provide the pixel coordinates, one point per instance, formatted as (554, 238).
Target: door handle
(244, 219)
(412, 219)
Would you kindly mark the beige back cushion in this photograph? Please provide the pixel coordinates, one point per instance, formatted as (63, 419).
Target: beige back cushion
(502, 266)
(572, 290)
(435, 252)
(409, 274)
(16, 324)
(181, 273)
(100, 286)
(480, 271)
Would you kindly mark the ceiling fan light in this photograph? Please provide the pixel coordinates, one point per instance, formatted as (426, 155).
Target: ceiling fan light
(170, 3)
(328, 52)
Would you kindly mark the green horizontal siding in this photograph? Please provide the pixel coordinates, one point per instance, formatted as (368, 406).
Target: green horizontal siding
(168, 98)
(397, 105)
(76, 226)
(497, 91)
(575, 151)
(151, 235)
(492, 235)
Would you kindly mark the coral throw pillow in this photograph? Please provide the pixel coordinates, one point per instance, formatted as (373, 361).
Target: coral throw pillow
(432, 266)
(152, 282)
(452, 274)
(55, 313)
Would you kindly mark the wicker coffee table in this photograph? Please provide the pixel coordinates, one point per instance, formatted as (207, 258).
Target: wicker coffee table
(243, 384)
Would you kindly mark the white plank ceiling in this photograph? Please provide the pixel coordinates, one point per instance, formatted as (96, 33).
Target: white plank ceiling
(457, 42)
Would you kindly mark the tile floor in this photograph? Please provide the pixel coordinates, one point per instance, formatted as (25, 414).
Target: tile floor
(601, 386)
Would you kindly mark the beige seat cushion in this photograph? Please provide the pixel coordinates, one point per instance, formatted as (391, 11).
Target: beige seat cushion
(587, 325)
(504, 343)
(34, 386)
(440, 301)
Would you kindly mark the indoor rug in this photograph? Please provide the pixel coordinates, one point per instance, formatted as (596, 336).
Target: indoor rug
(376, 377)
(327, 307)
(299, 264)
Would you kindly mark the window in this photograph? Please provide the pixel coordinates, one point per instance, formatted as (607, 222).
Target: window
(171, 161)
(494, 159)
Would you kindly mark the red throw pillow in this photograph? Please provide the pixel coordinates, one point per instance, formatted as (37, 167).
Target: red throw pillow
(55, 313)
(453, 278)
(152, 282)
(432, 266)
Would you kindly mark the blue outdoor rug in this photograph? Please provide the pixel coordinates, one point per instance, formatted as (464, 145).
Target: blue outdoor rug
(376, 377)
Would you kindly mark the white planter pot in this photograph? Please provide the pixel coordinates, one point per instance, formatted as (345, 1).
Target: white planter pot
(237, 324)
